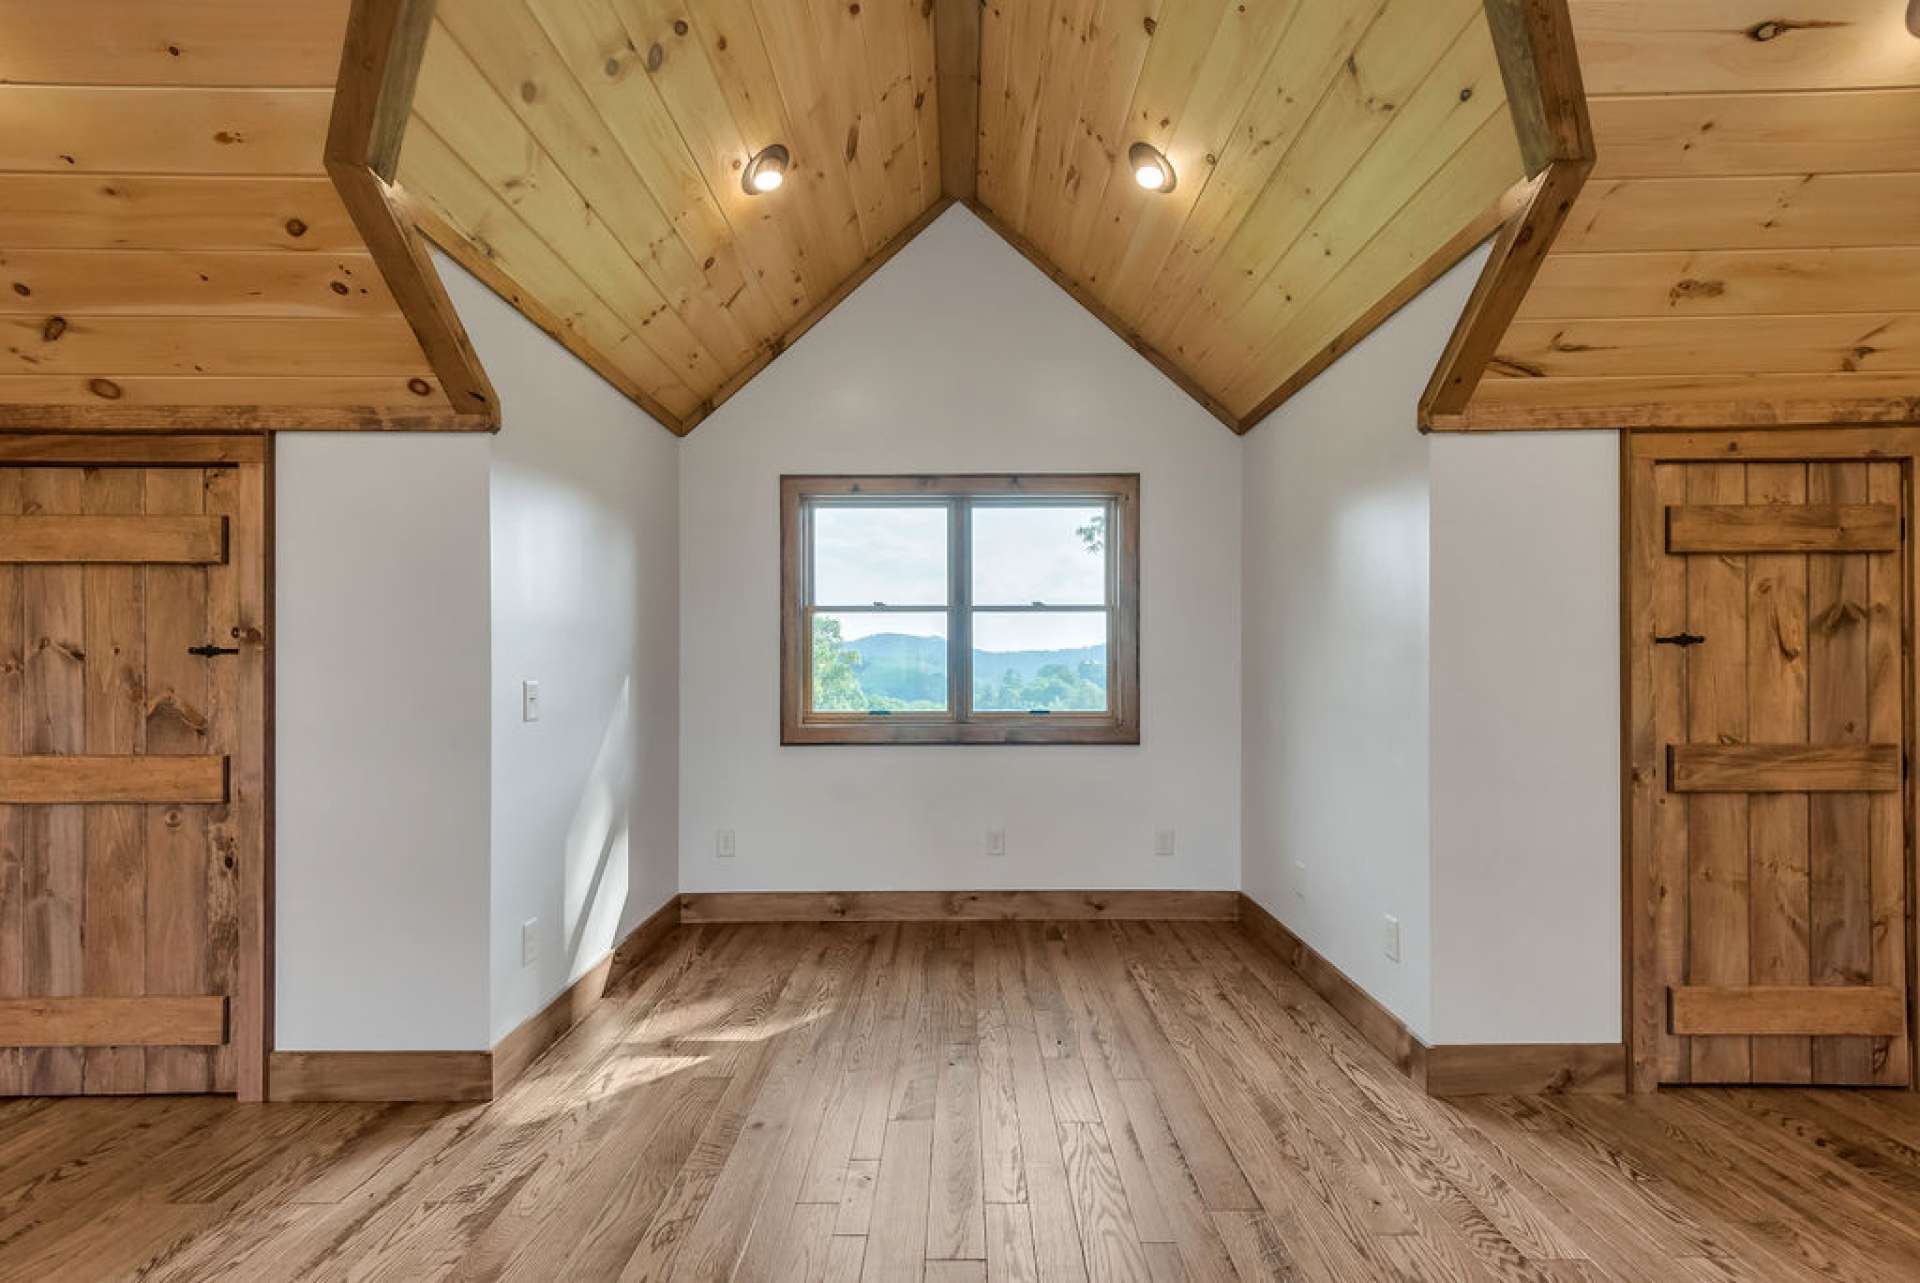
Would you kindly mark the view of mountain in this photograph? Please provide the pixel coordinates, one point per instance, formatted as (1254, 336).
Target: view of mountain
(896, 670)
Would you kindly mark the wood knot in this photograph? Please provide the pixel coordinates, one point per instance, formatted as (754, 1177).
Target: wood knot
(296, 228)
(419, 387)
(655, 56)
(679, 26)
(721, 44)
(853, 141)
(1466, 94)
(529, 92)
(105, 389)
(1691, 287)
(20, 288)
(338, 287)
(1150, 25)
(228, 137)
(612, 69)
(854, 9)
(53, 329)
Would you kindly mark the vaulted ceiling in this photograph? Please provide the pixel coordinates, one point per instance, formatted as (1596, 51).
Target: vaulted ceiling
(173, 247)
(1747, 250)
(1331, 157)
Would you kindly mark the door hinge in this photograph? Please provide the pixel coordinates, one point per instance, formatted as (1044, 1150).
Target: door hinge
(1679, 639)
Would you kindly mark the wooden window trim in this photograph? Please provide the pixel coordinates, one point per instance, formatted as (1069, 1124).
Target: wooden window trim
(1120, 724)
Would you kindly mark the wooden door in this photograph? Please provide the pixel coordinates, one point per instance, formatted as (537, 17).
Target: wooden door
(132, 776)
(1768, 606)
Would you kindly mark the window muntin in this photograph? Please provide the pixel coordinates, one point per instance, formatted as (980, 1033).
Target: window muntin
(960, 610)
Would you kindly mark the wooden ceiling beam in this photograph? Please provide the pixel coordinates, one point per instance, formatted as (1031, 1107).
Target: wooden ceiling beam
(1541, 68)
(956, 45)
(372, 102)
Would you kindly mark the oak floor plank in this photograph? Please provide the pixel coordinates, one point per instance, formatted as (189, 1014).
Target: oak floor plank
(1098, 1095)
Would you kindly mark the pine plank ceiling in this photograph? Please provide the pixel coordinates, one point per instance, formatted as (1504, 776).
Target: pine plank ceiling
(173, 251)
(1747, 250)
(1332, 156)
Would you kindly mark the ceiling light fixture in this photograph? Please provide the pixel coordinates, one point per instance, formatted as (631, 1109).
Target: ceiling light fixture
(766, 171)
(1151, 168)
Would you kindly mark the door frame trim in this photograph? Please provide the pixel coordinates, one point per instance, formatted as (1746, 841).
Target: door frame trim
(1639, 451)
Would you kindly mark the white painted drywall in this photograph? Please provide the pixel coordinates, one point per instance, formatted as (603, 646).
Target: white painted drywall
(958, 356)
(1526, 737)
(380, 724)
(584, 601)
(1335, 768)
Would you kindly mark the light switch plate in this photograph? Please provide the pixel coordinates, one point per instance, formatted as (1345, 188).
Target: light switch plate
(996, 841)
(1163, 843)
(529, 701)
(723, 844)
(529, 942)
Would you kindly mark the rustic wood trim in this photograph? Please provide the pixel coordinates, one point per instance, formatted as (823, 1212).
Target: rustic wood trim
(956, 46)
(141, 540)
(452, 1076)
(1541, 69)
(62, 779)
(466, 1076)
(1816, 1010)
(1106, 316)
(1784, 527)
(152, 1020)
(530, 1039)
(1644, 1004)
(1548, 104)
(378, 65)
(1457, 1069)
(1783, 768)
(1382, 1030)
(957, 906)
(1522, 245)
(1526, 1069)
(132, 451)
(1660, 401)
(1119, 725)
(251, 419)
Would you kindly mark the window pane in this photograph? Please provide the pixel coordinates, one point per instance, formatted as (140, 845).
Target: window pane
(1027, 553)
(867, 660)
(1056, 661)
(863, 553)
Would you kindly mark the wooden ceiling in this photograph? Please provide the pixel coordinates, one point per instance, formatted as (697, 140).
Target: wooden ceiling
(172, 251)
(1332, 156)
(1748, 248)
(583, 157)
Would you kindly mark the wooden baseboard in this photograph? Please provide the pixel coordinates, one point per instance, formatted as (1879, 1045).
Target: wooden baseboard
(455, 1076)
(1446, 1069)
(955, 906)
(529, 1039)
(1380, 1027)
(462, 1076)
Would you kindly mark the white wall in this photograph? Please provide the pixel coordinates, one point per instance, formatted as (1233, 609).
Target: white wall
(958, 356)
(1335, 768)
(381, 773)
(585, 594)
(1526, 737)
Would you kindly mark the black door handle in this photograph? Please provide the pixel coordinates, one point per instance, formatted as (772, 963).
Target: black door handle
(1679, 639)
(209, 650)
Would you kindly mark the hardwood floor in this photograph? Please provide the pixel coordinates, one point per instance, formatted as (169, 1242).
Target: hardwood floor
(1084, 1101)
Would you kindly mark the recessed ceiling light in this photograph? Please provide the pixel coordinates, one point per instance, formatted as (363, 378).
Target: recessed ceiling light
(1151, 169)
(766, 171)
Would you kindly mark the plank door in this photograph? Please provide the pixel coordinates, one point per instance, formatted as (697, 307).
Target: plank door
(132, 775)
(1768, 607)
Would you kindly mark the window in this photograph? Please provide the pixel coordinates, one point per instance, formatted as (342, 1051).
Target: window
(960, 610)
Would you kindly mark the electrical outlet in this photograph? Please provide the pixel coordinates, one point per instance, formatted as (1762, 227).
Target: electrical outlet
(996, 841)
(529, 942)
(529, 701)
(1299, 879)
(723, 844)
(1163, 844)
(1390, 937)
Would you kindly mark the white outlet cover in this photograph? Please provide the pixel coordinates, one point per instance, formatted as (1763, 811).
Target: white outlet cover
(1163, 843)
(996, 841)
(529, 942)
(1390, 937)
(1299, 879)
(723, 844)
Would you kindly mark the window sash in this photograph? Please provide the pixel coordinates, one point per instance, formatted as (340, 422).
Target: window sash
(958, 608)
